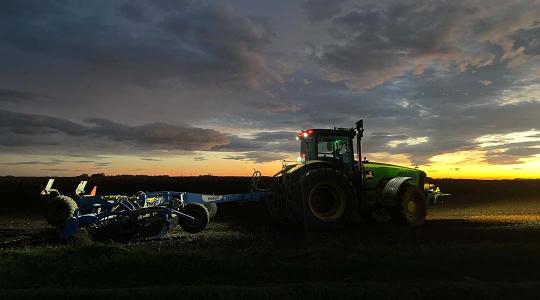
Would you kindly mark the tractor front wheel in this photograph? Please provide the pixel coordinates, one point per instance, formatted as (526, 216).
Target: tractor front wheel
(411, 206)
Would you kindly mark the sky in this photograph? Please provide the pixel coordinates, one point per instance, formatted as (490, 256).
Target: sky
(179, 87)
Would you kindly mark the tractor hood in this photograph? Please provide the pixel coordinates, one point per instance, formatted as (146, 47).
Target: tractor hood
(373, 164)
(375, 173)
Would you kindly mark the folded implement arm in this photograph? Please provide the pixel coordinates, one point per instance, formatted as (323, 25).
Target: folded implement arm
(434, 194)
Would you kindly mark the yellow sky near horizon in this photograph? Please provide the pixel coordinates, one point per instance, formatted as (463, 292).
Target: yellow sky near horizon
(461, 164)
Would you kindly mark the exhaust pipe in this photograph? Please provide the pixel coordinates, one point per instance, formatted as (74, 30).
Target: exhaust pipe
(359, 136)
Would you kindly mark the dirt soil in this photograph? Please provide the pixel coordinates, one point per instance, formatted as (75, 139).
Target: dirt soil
(483, 242)
(515, 220)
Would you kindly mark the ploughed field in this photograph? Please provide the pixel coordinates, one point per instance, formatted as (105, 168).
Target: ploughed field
(484, 241)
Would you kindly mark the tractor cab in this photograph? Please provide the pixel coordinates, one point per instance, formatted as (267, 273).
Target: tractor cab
(331, 145)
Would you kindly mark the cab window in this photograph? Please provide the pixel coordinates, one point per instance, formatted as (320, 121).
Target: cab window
(335, 148)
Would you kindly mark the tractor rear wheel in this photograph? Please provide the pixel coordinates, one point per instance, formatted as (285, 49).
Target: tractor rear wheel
(411, 206)
(197, 211)
(59, 209)
(324, 199)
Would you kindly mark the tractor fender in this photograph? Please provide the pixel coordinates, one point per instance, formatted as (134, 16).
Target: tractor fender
(294, 173)
(310, 165)
(389, 196)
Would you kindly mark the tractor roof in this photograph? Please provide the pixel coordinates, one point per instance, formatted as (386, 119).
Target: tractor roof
(349, 132)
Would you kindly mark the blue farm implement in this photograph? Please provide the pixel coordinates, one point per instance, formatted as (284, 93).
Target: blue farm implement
(143, 215)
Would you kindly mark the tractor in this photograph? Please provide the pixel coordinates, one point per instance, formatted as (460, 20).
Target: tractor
(328, 188)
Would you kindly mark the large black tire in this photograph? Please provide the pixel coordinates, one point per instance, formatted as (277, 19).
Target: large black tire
(212, 209)
(323, 198)
(200, 213)
(150, 222)
(411, 208)
(117, 229)
(59, 209)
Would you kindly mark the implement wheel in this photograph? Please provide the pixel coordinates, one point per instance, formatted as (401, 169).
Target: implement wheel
(212, 209)
(59, 209)
(197, 211)
(412, 206)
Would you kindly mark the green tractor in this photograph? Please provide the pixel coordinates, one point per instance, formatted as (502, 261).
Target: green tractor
(328, 188)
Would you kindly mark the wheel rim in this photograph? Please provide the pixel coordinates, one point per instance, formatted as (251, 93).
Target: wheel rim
(327, 201)
(411, 207)
(196, 215)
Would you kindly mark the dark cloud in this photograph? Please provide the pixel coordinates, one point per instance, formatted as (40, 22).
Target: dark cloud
(33, 162)
(133, 11)
(36, 125)
(237, 143)
(31, 129)
(170, 136)
(143, 40)
(261, 146)
(275, 136)
(26, 131)
(200, 158)
(275, 106)
(523, 152)
(15, 96)
(256, 156)
(319, 10)
(385, 39)
(512, 153)
(57, 170)
(529, 39)
(151, 159)
(377, 42)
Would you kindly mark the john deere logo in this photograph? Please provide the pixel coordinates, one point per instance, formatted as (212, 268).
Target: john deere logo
(369, 175)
